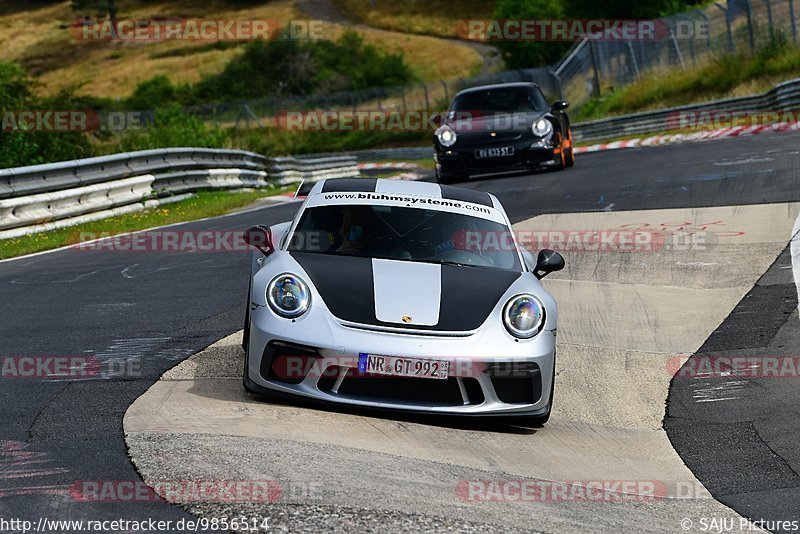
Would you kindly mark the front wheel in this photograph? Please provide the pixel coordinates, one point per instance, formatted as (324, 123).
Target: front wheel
(561, 161)
(246, 341)
(246, 334)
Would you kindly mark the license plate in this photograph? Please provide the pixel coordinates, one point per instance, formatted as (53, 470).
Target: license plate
(400, 366)
(494, 152)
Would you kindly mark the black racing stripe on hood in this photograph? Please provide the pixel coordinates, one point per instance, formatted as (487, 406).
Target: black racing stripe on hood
(466, 195)
(469, 294)
(363, 185)
(346, 284)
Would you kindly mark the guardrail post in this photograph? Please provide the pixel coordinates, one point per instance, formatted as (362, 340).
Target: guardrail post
(677, 49)
(593, 53)
(708, 27)
(633, 59)
(727, 25)
(769, 17)
(559, 88)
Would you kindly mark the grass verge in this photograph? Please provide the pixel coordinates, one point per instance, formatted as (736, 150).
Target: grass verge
(724, 77)
(203, 204)
(279, 142)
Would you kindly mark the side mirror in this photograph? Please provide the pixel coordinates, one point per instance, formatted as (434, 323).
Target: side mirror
(560, 105)
(260, 237)
(548, 261)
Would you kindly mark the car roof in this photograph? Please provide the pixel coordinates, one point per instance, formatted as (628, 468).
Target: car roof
(407, 187)
(497, 86)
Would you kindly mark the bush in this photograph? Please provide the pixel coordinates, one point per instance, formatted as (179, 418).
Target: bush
(283, 67)
(157, 92)
(20, 148)
(173, 128)
(530, 54)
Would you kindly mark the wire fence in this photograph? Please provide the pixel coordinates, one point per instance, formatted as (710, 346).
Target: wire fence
(597, 64)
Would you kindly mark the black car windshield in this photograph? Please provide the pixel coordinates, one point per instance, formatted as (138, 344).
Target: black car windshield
(407, 234)
(501, 100)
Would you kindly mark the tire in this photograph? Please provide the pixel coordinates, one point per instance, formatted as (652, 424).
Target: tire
(246, 335)
(561, 163)
(570, 158)
(246, 342)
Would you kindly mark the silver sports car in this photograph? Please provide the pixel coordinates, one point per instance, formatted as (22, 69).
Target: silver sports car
(401, 295)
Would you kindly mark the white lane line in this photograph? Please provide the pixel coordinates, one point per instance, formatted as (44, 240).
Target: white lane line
(795, 252)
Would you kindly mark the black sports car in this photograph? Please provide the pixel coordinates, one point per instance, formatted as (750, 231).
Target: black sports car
(498, 129)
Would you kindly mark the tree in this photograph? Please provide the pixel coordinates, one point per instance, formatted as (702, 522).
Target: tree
(101, 8)
(529, 54)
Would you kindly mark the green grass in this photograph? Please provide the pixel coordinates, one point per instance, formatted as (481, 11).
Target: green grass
(440, 18)
(724, 77)
(278, 142)
(203, 204)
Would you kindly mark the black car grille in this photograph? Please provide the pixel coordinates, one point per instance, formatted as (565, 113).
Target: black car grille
(516, 383)
(287, 362)
(445, 392)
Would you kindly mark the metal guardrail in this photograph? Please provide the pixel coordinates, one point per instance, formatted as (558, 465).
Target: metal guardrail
(783, 97)
(291, 170)
(56, 195)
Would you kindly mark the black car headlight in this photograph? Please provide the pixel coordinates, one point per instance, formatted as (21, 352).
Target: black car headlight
(446, 136)
(542, 128)
(523, 316)
(288, 295)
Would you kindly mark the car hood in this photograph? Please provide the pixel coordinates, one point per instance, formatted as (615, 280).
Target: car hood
(405, 294)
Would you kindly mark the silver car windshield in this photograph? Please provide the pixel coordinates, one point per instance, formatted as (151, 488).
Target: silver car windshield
(406, 234)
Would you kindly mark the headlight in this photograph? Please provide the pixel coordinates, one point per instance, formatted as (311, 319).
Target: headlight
(288, 295)
(542, 128)
(523, 316)
(446, 136)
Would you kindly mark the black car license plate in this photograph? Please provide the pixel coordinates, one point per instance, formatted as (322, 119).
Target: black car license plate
(498, 152)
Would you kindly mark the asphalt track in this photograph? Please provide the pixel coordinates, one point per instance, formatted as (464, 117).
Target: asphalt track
(158, 308)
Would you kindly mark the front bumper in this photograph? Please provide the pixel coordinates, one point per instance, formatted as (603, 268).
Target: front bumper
(316, 358)
(461, 161)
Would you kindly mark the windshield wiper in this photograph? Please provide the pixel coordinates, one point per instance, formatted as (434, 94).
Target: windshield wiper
(451, 262)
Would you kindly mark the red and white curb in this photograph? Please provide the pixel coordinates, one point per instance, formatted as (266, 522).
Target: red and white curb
(736, 131)
(394, 166)
(404, 165)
